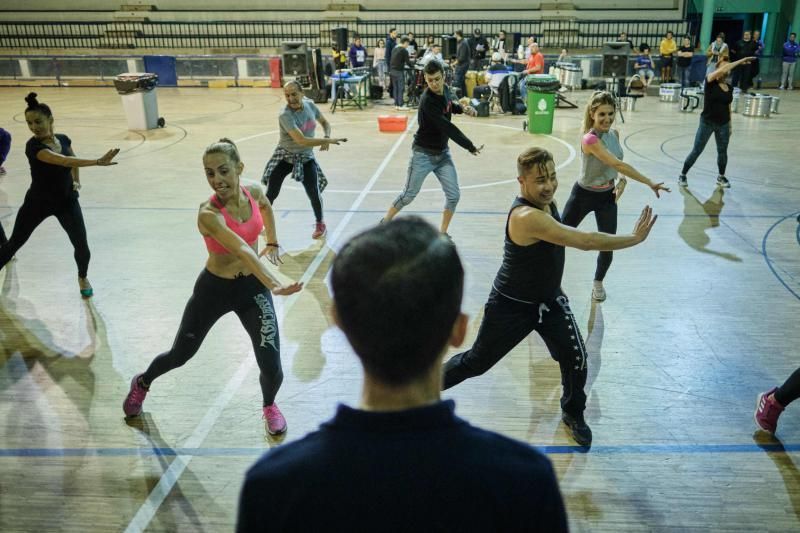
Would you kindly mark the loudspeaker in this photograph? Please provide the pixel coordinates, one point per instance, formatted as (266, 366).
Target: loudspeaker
(449, 46)
(339, 38)
(615, 59)
(295, 64)
(295, 58)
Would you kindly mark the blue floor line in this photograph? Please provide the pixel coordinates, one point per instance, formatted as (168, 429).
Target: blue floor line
(768, 259)
(253, 452)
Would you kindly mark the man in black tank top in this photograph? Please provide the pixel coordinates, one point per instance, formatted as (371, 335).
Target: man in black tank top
(526, 294)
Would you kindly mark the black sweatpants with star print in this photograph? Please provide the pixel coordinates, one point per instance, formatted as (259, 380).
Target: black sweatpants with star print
(506, 323)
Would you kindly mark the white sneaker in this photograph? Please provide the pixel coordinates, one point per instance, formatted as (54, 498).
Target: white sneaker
(598, 293)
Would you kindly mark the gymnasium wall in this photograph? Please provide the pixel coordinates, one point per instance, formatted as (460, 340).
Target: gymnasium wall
(209, 10)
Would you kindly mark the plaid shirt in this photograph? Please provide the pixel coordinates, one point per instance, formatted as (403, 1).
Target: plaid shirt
(297, 161)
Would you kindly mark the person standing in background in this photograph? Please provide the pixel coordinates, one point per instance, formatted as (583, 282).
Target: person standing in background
(790, 51)
(357, 53)
(715, 50)
(755, 67)
(462, 63)
(397, 70)
(742, 76)
(683, 65)
(666, 49)
(413, 47)
(379, 62)
(391, 43)
(479, 48)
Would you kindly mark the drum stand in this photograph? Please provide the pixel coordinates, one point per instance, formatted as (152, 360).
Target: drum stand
(615, 93)
(560, 99)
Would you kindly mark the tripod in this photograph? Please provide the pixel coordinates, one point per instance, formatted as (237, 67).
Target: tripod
(615, 63)
(562, 99)
(615, 92)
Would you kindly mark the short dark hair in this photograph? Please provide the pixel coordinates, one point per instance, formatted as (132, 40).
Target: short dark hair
(432, 67)
(392, 29)
(793, 33)
(397, 292)
(459, 33)
(404, 39)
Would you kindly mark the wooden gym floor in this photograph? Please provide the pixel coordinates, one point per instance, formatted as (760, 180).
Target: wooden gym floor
(698, 320)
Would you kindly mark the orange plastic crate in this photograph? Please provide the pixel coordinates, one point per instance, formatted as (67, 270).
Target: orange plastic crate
(392, 123)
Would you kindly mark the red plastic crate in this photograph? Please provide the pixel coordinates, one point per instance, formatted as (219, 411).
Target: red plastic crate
(390, 123)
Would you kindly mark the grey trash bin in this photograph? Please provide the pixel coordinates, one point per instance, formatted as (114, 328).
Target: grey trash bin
(138, 91)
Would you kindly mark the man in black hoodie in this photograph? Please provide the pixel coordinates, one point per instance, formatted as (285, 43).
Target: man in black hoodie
(429, 151)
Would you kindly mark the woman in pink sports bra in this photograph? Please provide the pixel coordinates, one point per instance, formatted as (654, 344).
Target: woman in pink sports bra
(234, 280)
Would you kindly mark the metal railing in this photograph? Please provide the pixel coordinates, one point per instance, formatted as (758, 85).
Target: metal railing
(574, 35)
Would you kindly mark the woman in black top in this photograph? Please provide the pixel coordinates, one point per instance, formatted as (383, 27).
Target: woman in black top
(54, 188)
(715, 118)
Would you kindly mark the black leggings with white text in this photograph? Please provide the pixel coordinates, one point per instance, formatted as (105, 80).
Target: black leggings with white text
(212, 298)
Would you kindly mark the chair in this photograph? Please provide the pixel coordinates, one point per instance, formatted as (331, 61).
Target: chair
(636, 87)
(494, 100)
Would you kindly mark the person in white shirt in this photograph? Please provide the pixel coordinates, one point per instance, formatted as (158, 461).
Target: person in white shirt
(433, 52)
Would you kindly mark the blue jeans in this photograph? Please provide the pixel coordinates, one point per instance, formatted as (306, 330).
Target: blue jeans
(682, 73)
(398, 86)
(422, 164)
(722, 134)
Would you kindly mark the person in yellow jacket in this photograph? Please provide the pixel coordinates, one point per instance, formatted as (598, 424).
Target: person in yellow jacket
(667, 49)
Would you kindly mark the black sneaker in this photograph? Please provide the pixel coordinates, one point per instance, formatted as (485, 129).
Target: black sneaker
(723, 182)
(580, 431)
(682, 181)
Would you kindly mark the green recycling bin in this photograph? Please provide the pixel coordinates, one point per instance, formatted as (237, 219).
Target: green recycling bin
(541, 102)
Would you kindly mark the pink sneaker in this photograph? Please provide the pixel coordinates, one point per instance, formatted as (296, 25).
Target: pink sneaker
(276, 424)
(767, 411)
(319, 230)
(135, 398)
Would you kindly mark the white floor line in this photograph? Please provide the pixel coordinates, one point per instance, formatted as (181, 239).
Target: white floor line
(570, 159)
(170, 477)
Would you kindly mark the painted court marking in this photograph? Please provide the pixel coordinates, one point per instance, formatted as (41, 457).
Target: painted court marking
(607, 449)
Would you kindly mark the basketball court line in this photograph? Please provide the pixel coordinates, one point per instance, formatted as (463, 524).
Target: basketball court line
(606, 449)
(170, 477)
